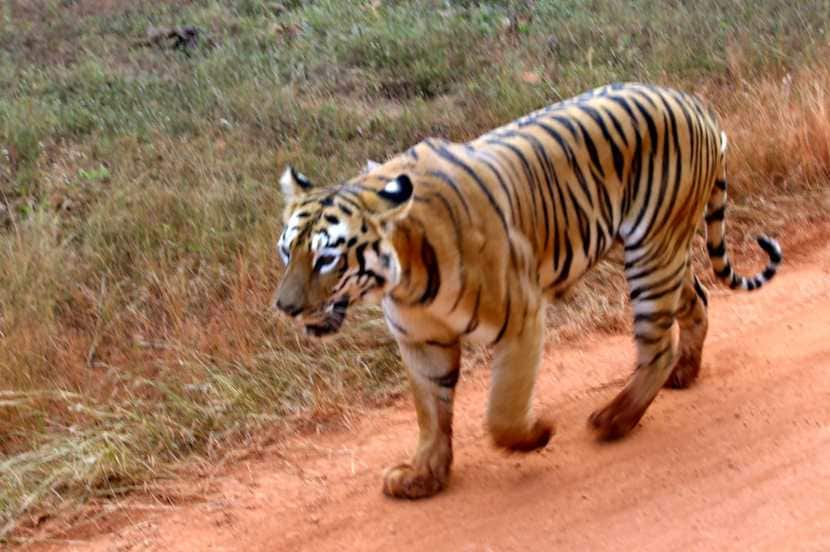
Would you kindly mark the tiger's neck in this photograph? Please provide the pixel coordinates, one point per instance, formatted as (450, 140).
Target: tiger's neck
(419, 276)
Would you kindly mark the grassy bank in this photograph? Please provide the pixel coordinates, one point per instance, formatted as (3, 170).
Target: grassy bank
(139, 205)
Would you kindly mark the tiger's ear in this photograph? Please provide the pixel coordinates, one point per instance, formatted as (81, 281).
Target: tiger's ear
(395, 199)
(293, 184)
(370, 166)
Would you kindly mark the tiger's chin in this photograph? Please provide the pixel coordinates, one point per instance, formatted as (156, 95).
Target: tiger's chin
(323, 329)
(330, 321)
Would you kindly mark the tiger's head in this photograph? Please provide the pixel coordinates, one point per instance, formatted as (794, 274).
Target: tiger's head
(335, 246)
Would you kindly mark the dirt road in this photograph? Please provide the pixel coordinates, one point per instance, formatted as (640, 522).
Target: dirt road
(741, 461)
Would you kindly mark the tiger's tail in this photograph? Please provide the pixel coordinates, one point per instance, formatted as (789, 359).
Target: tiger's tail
(716, 246)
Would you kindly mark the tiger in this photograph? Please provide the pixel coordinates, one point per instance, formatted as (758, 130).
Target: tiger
(468, 242)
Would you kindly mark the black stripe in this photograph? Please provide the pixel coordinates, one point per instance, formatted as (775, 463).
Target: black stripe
(661, 293)
(617, 125)
(648, 340)
(566, 264)
(770, 249)
(430, 261)
(583, 219)
(673, 131)
(532, 179)
(524, 319)
(701, 293)
(724, 272)
(636, 292)
(458, 239)
(659, 354)
(448, 180)
(551, 180)
(666, 318)
(641, 90)
(529, 174)
(655, 224)
(607, 206)
(473, 323)
(359, 253)
(444, 153)
(557, 186)
(600, 248)
(652, 130)
(513, 202)
(616, 154)
(716, 250)
(768, 273)
(627, 108)
(643, 272)
(720, 184)
(633, 185)
(505, 322)
(442, 344)
(449, 380)
(567, 123)
(350, 197)
(400, 329)
(716, 215)
(592, 149)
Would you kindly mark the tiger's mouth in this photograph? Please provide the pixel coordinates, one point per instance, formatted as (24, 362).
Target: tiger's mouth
(329, 321)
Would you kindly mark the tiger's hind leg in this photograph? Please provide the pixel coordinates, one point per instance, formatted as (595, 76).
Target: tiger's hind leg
(433, 371)
(655, 285)
(515, 362)
(693, 323)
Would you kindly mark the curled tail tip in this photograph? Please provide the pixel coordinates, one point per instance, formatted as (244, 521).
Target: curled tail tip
(749, 283)
(771, 248)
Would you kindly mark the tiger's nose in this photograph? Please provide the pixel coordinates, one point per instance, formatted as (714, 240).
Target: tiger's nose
(289, 309)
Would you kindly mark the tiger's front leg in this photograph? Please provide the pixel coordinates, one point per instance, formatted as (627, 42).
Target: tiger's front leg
(515, 363)
(433, 372)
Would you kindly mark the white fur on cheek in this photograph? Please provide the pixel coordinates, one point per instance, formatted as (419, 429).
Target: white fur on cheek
(281, 248)
(335, 254)
(333, 234)
(319, 242)
(294, 221)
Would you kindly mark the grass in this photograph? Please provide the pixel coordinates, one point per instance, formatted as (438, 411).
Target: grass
(139, 205)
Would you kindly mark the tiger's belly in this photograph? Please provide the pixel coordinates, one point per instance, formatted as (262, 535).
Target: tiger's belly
(480, 320)
(556, 283)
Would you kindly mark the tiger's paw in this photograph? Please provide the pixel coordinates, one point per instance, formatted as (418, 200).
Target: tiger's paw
(685, 371)
(617, 418)
(404, 481)
(538, 437)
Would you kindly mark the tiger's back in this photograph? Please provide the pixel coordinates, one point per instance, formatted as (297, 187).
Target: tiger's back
(555, 189)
